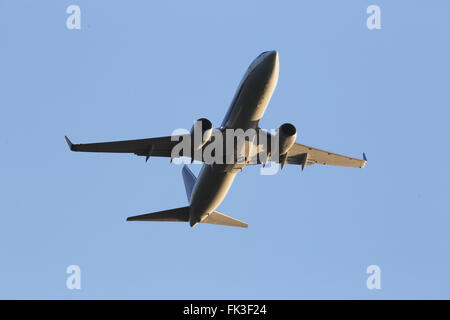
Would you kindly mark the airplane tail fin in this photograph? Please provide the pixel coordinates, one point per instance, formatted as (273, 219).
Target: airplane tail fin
(189, 181)
(222, 219)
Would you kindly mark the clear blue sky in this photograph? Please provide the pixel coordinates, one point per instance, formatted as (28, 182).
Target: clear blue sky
(140, 69)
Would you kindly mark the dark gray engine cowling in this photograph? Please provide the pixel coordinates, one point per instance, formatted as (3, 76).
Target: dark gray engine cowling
(287, 134)
(201, 132)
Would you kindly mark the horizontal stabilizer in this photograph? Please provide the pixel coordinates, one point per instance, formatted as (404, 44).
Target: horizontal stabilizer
(224, 220)
(178, 214)
(182, 215)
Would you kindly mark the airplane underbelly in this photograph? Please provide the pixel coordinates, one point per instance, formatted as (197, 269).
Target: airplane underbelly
(254, 93)
(211, 188)
(251, 103)
(249, 110)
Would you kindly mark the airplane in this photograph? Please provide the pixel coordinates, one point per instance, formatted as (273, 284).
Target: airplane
(207, 191)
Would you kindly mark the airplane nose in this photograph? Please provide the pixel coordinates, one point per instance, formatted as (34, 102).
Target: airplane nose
(270, 60)
(272, 56)
(268, 65)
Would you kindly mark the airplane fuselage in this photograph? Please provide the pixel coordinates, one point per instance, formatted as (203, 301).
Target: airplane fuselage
(246, 109)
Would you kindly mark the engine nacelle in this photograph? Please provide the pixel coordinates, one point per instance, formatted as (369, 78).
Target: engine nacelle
(201, 132)
(286, 135)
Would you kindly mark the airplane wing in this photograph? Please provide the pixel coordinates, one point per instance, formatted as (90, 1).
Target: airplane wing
(155, 147)
(304, 155)
(162, 147)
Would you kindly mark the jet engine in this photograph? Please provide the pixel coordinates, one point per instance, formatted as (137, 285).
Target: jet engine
(286, 135)
(201, 132)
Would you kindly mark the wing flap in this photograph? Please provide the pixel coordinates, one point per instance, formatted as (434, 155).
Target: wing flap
(298, 152)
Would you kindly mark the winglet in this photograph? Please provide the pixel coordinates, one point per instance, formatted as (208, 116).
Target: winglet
(365, 160)
(69, 143)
